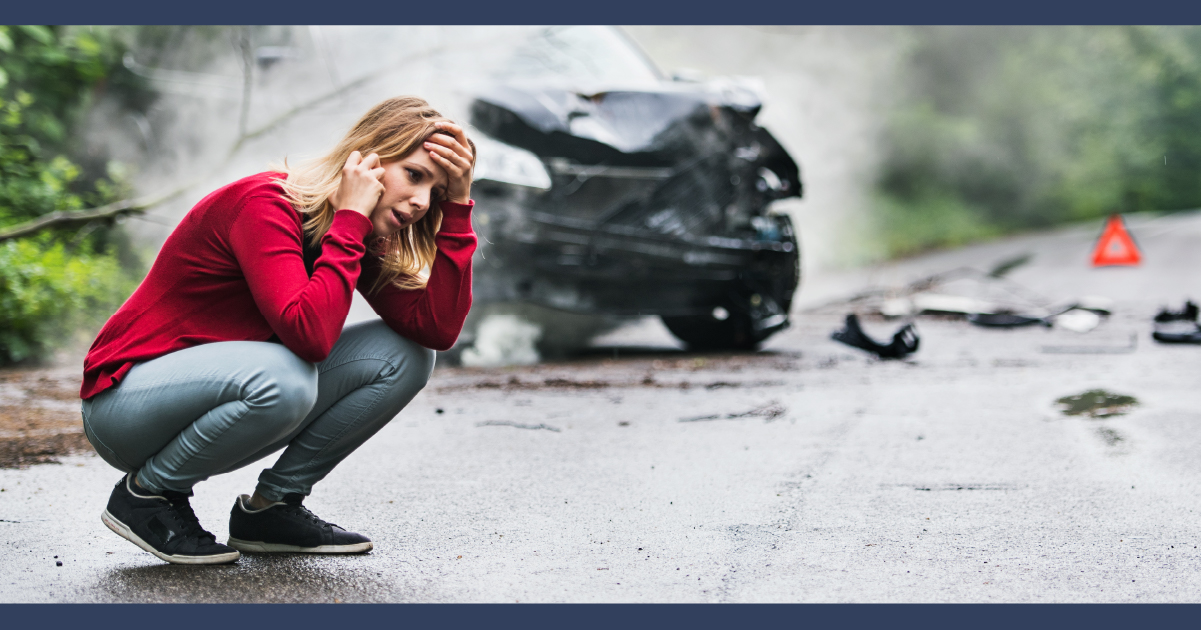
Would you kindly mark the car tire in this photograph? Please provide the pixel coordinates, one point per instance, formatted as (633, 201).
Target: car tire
(706, 332)
(737, 331)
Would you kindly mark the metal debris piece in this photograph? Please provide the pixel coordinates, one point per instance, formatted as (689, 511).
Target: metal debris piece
(986, 299)
(904, 342)
(1002, 268)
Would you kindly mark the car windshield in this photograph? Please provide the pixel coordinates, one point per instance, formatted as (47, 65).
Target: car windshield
(581, 54)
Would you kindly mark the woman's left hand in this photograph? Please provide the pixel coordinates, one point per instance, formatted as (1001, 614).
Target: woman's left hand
(453, 154)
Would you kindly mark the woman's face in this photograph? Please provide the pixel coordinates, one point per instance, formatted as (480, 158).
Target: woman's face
(410, 184)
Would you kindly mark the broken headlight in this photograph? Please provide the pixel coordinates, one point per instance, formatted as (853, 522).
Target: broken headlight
(500, 162)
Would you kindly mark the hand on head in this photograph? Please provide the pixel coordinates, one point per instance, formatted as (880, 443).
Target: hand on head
(453, 153)
(360, 188)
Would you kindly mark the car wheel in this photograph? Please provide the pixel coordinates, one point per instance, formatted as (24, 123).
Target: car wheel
(755, 311)
(707, 332)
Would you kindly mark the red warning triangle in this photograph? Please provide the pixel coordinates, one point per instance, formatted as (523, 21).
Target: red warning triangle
(1116, 247)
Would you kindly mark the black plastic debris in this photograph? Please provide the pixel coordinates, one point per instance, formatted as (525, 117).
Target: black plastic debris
(1006, 320)
(1178, 326)
(1193, 336)
(1189, 313)
(904, 342)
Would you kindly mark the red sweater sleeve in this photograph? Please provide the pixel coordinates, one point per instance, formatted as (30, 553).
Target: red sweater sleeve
(433, 316)
(306, 313)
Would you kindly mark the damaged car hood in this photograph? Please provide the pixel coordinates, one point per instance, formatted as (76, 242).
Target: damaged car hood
(627, 120)
(632, 127)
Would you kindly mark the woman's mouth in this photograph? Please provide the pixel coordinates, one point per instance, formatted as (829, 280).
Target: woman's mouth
(400, 221)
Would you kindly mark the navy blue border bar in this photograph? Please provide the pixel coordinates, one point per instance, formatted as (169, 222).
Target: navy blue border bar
(602, 616)
(601, 12)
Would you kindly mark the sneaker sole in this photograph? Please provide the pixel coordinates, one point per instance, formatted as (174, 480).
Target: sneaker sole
(121, 530)
(263, 547)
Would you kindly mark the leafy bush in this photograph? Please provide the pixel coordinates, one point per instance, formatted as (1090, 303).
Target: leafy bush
(59, 278)
(47, 293)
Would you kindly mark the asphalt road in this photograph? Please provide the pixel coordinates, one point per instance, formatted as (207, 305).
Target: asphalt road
(826, 475)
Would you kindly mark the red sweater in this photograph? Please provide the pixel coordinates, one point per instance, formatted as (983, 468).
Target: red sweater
(234, 270)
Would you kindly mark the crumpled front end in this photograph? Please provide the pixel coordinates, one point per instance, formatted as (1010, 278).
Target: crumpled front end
(636, 203)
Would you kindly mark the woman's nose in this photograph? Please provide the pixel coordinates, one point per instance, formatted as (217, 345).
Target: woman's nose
(422, 200)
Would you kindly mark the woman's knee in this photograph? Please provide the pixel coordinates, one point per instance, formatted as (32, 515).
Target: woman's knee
(412, 364)
(284, 386)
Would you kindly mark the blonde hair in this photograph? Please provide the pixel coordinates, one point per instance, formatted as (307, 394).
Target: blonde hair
(392, 129)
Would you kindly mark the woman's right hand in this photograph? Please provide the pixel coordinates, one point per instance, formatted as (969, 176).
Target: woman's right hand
(360, 188)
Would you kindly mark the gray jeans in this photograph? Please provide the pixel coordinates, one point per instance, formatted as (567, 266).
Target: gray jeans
(184, 417)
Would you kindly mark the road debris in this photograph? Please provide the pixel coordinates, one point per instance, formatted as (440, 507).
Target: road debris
(1178, 326)
(1006, 320)
(1078, 320)
(768, 412)
(1073, 317)
(1096, 403)
(558, 384)
(1189, 313)
(904, 342)
(516, 425)
(984, 298)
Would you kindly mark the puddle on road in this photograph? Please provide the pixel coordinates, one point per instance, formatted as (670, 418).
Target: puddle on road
(1096, 403)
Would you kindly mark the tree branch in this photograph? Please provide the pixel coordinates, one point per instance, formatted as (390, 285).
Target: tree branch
(63, 218)
(139, 206)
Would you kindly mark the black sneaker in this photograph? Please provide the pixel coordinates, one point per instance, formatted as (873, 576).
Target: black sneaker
(288, 526)
(164, 525)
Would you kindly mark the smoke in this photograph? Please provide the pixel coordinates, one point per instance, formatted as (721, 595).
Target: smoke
(507, 333)
(235, 100)
(828, 89)
(503, 340)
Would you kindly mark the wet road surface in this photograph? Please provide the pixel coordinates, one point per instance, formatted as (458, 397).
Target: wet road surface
(805, 472)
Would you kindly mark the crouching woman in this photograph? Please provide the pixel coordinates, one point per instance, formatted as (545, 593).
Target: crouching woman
(233, 347)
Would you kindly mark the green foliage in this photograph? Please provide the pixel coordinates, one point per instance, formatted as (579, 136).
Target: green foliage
(47, 293)
(1008, 128)
(52, 282)
(47, 79)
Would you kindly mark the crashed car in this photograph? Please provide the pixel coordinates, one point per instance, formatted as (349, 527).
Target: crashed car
(605, 188)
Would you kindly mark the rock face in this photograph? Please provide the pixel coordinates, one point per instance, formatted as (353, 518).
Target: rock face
(39, 416)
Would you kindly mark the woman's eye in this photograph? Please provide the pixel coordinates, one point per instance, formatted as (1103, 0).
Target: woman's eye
(414, 175)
